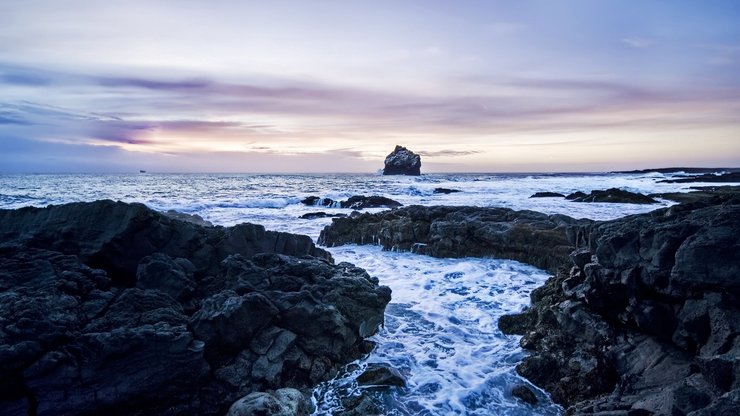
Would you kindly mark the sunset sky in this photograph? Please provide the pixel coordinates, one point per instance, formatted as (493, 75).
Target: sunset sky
(333, 86)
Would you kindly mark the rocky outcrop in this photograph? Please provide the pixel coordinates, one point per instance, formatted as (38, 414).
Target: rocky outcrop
(547, 195)
(446, 191)
(527, 236)
(402, 161)
(357, 202)
(707, 177)
(362, 202)
(381, 374)
(111, 308)
(699, 193)
(646, 321)
(614, 195)
(316, 215)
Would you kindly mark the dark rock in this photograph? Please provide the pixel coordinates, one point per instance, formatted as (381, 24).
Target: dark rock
(362, 202)
(315, 200)
(282, 402)
(379, 374)
(111, 308)
(614, 195)
(699, 194)
(315, 215)
(648, 324)
(547, 195)
(445, 190)
(527, 236)
(576, 195)
(525, 394)
(191, 218)
(707, 177)
(402, 161)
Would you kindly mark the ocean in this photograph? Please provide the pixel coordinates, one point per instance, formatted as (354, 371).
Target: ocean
(441, 326)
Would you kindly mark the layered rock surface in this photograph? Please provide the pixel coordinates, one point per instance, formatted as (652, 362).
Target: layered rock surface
(113, 308)
(528, 236)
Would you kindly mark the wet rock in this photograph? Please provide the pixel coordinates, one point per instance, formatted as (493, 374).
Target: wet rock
(641, 324)
(402, 161)
(362, 202)
(282, 402)
(527, 236)
(380, 374)
(315, 200)
(191, 218)
(547, 195)
(445, 191)
(316, 215)
(614, 195)
(525, 394)
(113, 308)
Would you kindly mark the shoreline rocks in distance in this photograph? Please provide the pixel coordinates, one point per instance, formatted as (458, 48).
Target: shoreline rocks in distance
(108, 307)
(707, 177)
(613, 195)
(402, 161)
(446, 191)
(317, 215)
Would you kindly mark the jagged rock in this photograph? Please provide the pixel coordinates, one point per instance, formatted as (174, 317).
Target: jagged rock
(402, 161)
(648, 324)
(315, 200)
(527, 236)
(111, 308)
(380, 374)
(547, 195)
(614, 195)
(445, 191)
(362, 202)
(525, 394)
(282, 402)
(316, 215)
(192, 218)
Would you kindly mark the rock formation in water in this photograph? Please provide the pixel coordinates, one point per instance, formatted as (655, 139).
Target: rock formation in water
(528, 236)
(547, 195)
(645, 322)
(354, 202)
(402, 161)
(112, 308)
(614, 195)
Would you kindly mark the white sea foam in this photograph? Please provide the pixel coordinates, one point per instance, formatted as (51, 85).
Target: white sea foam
(441, 333)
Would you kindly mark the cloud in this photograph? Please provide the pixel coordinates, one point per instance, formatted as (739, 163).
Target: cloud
(438, 153)
(637, 42)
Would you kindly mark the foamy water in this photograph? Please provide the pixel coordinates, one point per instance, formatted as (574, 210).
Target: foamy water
(441, 325)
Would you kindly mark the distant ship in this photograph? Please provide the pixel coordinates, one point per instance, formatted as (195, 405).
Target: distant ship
(142, 171)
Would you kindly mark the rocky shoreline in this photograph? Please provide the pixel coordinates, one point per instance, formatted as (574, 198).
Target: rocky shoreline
(641, 316)
(107, 307)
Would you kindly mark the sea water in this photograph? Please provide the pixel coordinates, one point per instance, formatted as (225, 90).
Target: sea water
(440, 328)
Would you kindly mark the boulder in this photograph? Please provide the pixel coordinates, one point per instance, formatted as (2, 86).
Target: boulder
(315, 200)
(281, 402)
(361, 202)
(547, 195)
(614, 195)
(316, 215)
(525, 394)
(445, 191)
(380, 374)
(111, 308)
(402, 161)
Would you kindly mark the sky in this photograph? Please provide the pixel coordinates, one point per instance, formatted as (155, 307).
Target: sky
(333, 86)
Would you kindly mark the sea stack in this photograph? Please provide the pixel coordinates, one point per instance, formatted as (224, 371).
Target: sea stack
(402, 161)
